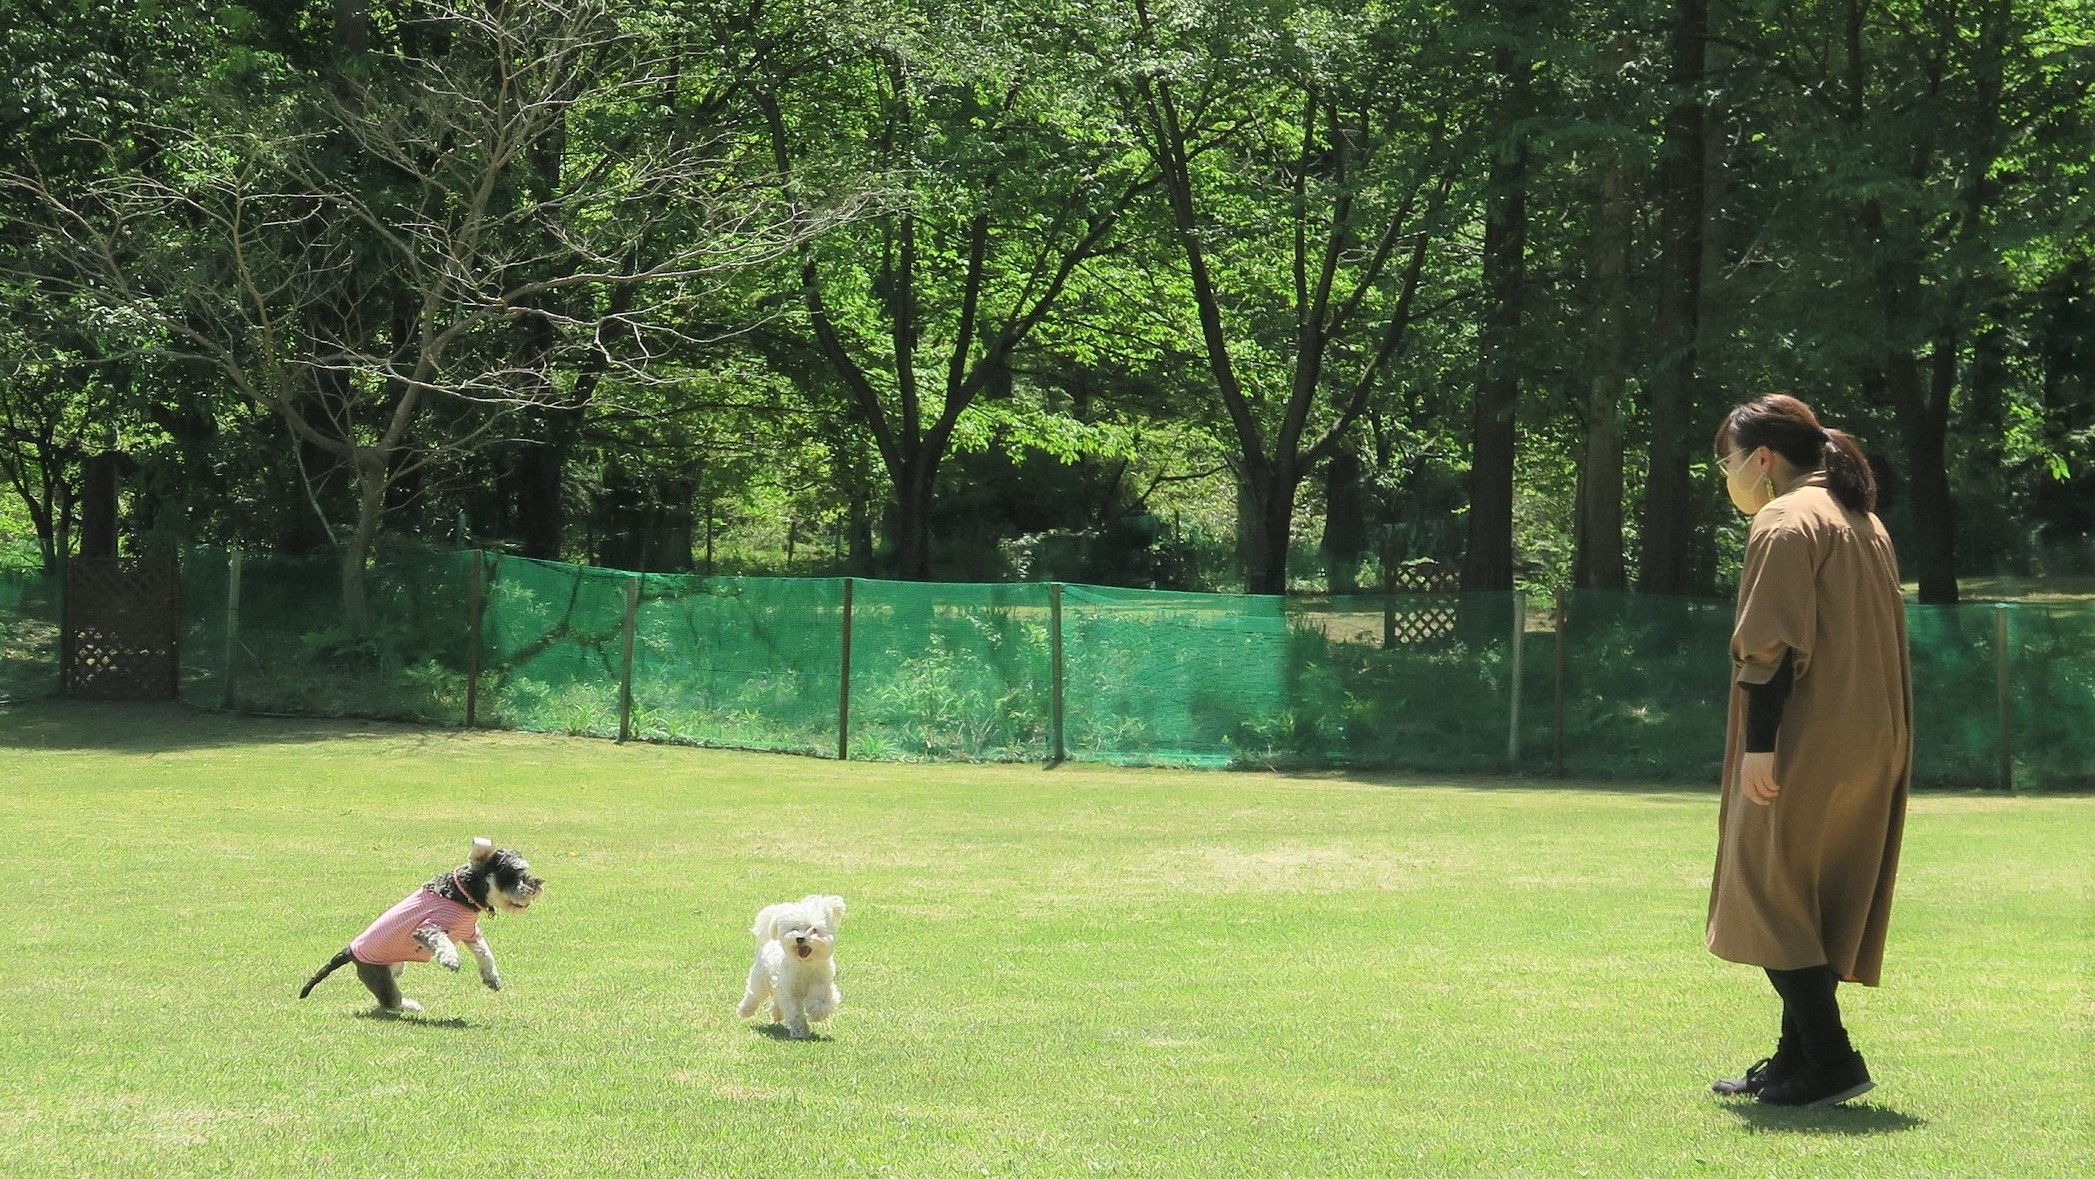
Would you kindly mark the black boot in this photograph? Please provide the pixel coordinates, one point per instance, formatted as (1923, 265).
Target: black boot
(1827, 1068)
(1769, 1070)
(1818, 1081)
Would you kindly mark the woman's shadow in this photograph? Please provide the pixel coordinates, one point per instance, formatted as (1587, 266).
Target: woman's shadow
(1854, 1119)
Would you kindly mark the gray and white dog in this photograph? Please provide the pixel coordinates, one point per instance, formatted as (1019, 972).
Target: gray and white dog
(434, 920)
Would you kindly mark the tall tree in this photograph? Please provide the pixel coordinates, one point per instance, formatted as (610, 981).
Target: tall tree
(1612, 169)
(1310, 150)
(995, 197)
(375, 322)
(45, 407)
(1912, 139)
(1487, 560)
(1597, 550)
(1665, 564)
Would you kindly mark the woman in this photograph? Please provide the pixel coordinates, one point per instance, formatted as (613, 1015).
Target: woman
(1819, 743)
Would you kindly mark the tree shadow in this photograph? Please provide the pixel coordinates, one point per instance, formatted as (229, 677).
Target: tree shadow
(1487, 783)
(1854, 1119)
(150, 728)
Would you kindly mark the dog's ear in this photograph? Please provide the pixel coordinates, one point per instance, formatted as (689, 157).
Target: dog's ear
(766, 927)
(834, 908)
(483, 848)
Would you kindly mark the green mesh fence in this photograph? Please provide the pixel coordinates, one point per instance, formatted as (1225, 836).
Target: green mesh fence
(1204, 679)
(2003, 696)
(1629, 688)
(747, 662)
(209, 666)
(949, 671)
(284, 645)
(1956, 719)
(552, 646)
(2050, 670)
(29, 622)
(1646, 684)
(1424, 683)
(1170, 678)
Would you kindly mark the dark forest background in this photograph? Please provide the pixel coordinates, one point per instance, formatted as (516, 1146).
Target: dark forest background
(1218, 294)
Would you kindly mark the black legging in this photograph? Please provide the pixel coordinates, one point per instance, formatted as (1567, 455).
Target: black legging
(1810, 1012)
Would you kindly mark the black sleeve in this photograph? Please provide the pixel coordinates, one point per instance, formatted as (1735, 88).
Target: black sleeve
(1764, 706)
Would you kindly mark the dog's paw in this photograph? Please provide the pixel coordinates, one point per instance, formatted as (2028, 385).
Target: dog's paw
(448, 959)
(409, 1006)
(493, 981)
(797, 1033)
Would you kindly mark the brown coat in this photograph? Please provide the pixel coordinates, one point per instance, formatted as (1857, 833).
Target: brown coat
(1807, 880)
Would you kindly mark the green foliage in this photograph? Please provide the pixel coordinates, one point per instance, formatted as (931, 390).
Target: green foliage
(995, 211)
(29, 636)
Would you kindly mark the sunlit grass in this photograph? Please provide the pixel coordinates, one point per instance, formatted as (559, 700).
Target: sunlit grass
(1045, 973)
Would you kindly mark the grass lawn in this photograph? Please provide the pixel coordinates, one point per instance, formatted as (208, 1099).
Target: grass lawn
(1045, 973)
(2055, 590)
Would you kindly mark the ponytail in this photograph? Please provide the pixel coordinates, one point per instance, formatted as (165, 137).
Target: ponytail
(1848, 475)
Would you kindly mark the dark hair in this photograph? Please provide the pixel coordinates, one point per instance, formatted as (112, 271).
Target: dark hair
(1787, 426)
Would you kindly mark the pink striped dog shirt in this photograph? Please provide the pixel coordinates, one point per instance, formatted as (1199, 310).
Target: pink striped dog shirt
(391, 938)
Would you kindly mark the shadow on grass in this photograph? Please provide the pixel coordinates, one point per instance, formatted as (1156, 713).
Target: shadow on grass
(777, 1031)
(453, 1023)
(1489, 783)
(1854, 1120)
(169, 728)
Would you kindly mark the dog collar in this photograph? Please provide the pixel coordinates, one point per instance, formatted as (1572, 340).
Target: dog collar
(476, 906)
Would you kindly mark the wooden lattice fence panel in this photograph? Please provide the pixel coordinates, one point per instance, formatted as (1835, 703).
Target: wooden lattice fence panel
(1421, 605)
(123, 619)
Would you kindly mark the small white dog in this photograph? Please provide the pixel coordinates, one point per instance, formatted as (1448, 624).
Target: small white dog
(796, 965)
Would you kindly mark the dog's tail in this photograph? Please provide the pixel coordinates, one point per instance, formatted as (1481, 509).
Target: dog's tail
(333, 964)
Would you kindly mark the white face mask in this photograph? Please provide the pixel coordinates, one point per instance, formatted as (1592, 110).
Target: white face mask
(1746, 478)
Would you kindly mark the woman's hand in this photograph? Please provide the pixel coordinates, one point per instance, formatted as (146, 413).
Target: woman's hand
(1757, 777)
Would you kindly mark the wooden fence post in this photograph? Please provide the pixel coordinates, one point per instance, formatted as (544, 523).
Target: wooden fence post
(232, 665)
(844, 684)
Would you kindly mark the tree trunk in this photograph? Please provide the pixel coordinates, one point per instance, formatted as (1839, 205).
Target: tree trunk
(1345, 522)
(910, 534)
(370, 466)
(62, 526)
(352, 31)
(47, 515)
(1251, 529)
(1668, 525)
(1597, 557)
(537, 477)
(1273, 506)
(1931, 553)
(858, 537)
(98, 502)
(1487, 561)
